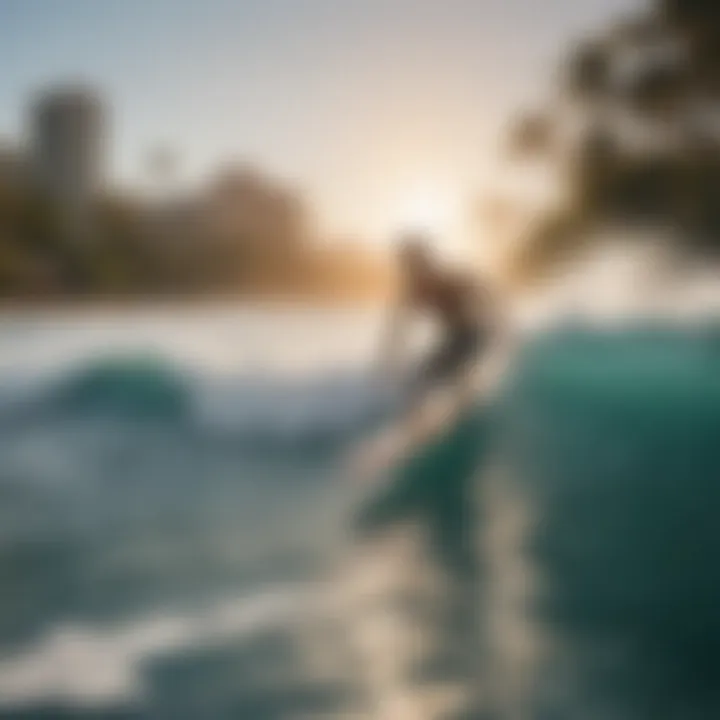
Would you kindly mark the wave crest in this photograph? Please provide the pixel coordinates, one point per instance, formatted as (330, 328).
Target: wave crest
(260, 411)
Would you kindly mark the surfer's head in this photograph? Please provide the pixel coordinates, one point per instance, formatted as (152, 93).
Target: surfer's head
(415, 253)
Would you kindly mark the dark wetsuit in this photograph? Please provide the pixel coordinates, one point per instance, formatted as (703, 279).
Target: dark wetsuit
(454, 303)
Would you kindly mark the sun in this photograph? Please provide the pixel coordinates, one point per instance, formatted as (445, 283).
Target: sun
(428, 209)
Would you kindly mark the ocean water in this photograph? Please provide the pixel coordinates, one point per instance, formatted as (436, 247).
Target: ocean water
(171, 485)
(601, 526)
(179, 537)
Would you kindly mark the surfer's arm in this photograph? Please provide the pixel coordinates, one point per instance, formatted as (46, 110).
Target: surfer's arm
(394, 340)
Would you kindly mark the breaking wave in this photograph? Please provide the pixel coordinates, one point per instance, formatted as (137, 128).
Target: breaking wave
(262, 410)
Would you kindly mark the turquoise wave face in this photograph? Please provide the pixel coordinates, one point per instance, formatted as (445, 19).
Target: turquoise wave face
(598, 469)
(610, 445)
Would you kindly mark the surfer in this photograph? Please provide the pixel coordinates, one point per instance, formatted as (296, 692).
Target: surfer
(459, 303)
(466, 313)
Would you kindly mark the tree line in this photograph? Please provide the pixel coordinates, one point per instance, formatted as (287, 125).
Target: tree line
(634, 133)
(245, 233)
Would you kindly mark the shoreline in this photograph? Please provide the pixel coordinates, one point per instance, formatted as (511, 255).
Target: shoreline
(47, 305)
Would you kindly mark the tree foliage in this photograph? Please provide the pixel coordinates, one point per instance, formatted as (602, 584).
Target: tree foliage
(245, 233)
(649, 150)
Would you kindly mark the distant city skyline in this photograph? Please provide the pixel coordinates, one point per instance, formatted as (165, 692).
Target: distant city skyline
(377, 110)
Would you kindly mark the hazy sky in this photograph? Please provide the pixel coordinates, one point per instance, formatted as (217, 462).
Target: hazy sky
(368, 105)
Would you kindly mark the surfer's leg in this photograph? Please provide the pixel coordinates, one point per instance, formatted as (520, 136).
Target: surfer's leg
(455, 355)
(449, 367)
(433, 371)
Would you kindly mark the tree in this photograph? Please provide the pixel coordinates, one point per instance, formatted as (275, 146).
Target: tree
(649, 152)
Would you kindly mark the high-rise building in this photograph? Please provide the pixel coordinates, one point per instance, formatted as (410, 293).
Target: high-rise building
(68, 148)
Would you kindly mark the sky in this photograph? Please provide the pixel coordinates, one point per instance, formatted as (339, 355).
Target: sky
(383, 112)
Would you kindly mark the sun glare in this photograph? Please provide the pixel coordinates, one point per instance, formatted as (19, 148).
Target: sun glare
(429, 210)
